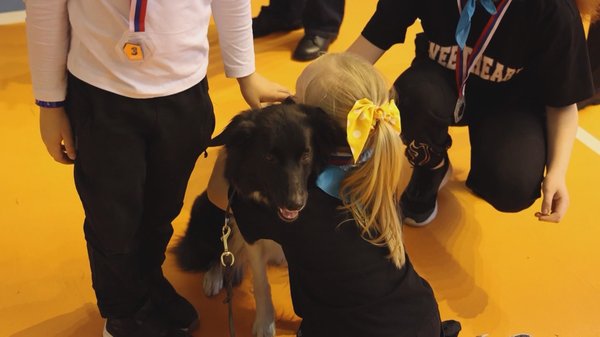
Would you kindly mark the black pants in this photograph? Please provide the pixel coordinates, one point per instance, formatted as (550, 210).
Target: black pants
(593, 43)
(508, 140)
(134, 159)
(319, 17)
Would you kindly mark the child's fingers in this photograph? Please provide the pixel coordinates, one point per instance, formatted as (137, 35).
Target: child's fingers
(278, 95)
(559, 208)
(56, 152)
(547, 204)
(69, 145)
(553, 217)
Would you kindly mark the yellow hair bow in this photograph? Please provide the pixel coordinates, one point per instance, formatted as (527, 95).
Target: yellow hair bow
(362, 119)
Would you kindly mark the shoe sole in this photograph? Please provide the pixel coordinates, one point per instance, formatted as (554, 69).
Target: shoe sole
(306, 59)
(411, 222)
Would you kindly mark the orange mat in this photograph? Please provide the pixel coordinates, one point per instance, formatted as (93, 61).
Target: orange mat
(499, 274)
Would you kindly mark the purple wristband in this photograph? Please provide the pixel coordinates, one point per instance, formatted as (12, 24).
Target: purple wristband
(45, 104)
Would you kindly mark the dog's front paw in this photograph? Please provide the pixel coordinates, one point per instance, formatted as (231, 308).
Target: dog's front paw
(263, 328)
(213, 281)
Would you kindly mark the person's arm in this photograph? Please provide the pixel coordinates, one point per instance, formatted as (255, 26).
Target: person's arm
(365, 49)
(257, 89)
(234, 25)
(560, 67)
(562, 128)
(386, 27)
(48, 46)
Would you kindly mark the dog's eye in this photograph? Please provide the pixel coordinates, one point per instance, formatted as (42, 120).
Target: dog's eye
(270, 158)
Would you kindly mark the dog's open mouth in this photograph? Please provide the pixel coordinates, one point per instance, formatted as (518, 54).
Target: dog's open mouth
(288, 215)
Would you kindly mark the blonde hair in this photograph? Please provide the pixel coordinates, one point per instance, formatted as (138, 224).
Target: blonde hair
(371, 191)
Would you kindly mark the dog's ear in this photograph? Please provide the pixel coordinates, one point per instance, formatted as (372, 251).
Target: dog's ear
(237, 131)
(327, 133)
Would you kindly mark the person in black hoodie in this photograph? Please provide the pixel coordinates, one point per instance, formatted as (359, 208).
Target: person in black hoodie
(528, 66)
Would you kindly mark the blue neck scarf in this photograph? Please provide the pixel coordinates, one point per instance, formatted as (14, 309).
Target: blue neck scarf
(330, 178)
(464, 22)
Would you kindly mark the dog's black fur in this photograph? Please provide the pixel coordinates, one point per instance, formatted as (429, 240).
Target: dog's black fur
(273, 152)
(271, 155)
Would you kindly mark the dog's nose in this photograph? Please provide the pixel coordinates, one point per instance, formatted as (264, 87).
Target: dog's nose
(295, 205)
(296, 201)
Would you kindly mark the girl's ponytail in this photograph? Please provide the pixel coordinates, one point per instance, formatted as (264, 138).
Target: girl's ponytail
(371, 191)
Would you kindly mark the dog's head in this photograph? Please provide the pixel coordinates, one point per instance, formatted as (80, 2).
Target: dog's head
(272, 152)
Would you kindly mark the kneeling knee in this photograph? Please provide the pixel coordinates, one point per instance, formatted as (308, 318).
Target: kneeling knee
(508, 197)
(510, 204)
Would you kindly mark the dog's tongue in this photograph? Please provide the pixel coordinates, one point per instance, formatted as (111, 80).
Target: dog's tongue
(287, 214)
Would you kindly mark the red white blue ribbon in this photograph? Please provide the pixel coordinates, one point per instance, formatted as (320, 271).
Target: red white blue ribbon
(137, 15)
(466, 62)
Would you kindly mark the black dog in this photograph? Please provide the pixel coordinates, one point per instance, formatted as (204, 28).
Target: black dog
(272, 154)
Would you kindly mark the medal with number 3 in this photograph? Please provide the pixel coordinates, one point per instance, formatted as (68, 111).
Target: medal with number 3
(133, 51)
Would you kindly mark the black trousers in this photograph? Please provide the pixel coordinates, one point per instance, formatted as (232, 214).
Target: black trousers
(593, 43)
(319, 17)
(508, 140)
(134, 159)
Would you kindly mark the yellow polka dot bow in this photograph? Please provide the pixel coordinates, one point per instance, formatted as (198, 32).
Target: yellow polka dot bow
(362, 119)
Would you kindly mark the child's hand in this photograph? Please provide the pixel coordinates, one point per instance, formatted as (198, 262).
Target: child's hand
(55, 129)
(555, 199)
(257, 89)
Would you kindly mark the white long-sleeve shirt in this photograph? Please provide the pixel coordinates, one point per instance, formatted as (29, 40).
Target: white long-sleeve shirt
(87, 36)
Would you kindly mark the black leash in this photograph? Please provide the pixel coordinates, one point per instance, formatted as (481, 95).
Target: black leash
(227, 261)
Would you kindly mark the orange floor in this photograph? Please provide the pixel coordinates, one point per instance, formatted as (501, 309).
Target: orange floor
(499, 274)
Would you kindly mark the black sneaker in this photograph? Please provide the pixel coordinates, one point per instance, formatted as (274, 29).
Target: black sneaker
(419, 200)
(146, 323)
(269, 21)
(178, 311)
